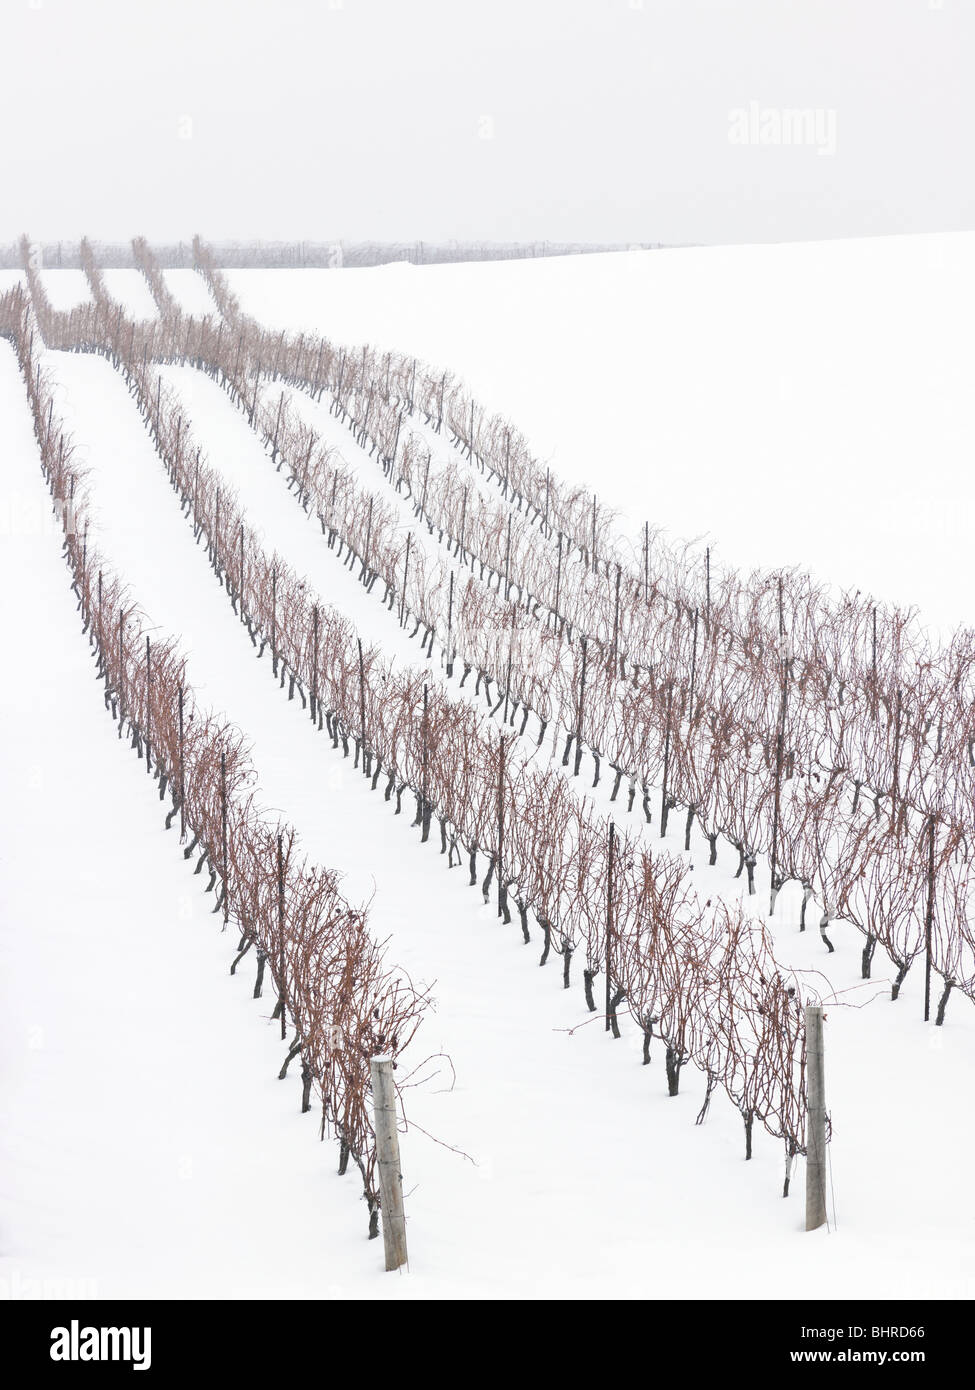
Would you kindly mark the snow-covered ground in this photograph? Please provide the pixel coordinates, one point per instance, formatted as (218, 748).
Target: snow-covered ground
(803, 404)
(131, 289)
(66, 288)
(190, 291)
(146, 1141)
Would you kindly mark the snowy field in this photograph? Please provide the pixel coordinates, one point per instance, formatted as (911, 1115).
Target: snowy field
(129, 288)
(66, 288)
(189, 291)
(801, 404)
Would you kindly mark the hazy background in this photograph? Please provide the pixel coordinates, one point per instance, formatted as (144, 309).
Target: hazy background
(503, 120)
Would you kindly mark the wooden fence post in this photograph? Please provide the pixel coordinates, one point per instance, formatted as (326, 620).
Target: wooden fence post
(362, 707)
(223, 837)
(182, 770)
(609, 926)
(282, 969)
(149, 713)
(387, 1154)
(501, 830)
(314, 667)
(929, 922)
(815, 1121)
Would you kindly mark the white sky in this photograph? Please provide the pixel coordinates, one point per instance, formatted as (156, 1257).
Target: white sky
(322, 119)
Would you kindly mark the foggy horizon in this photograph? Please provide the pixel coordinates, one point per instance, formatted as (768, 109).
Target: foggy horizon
(670, 121)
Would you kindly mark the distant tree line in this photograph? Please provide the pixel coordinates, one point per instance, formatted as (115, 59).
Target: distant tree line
(283, 255)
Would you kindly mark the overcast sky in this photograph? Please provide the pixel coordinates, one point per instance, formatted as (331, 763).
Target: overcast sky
(587, 120)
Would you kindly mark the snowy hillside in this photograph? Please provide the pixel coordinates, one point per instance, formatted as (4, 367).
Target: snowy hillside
(803, 405)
